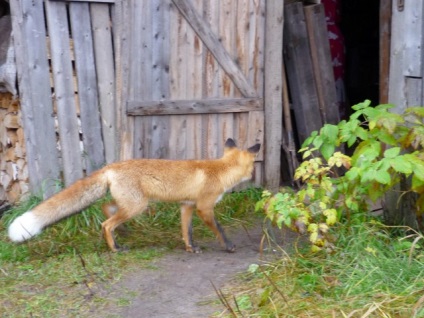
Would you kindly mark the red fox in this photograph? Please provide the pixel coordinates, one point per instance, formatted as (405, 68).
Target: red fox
(132, 183)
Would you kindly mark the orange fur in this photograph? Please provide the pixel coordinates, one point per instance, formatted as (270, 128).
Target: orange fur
(133, 183)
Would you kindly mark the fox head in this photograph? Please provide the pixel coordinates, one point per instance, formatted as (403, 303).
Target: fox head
(245, 158)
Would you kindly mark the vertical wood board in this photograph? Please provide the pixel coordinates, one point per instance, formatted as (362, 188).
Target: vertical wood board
(413, 37)
(273, 92)
(385, 35)
(104, 57)
(397, 60)
(35, 96)
(57, 22)
(321, 62)
(87, 86)
(300, 72)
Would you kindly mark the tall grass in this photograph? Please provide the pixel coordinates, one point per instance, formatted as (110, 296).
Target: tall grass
(372, 274)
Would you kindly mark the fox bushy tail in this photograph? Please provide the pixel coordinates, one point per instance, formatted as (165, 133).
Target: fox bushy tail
(65, 203)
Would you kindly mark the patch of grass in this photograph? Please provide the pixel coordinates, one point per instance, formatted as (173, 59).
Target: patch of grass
(372, 274)
(68, 270)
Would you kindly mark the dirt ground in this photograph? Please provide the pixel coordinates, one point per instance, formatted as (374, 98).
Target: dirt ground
(180, 284)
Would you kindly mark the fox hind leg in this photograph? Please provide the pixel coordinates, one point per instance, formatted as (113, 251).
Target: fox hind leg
(109, 209)
(124, 213)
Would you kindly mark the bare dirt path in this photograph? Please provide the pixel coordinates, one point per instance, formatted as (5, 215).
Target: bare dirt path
(180, 285)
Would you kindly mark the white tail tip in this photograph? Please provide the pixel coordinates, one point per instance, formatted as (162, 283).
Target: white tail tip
(24, 227)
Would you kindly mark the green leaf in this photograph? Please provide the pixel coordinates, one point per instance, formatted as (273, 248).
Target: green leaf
(351, 140)
(361, 133)
(392, 152)
(309, 140)
(327, 150)
(330, 132)
(318, 141)
(362, 105)
(383, 177)
(352, 174)
(399, 164)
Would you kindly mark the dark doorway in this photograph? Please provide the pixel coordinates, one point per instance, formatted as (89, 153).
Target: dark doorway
(360, 27)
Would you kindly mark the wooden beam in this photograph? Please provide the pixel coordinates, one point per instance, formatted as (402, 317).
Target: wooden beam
(273, 92)
(385, 35)
(187, 107)
(213, 43)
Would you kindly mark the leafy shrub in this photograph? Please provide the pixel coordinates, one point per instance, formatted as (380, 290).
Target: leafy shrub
(389, 147)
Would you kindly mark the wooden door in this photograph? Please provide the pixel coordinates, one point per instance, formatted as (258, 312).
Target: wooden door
(192, 77)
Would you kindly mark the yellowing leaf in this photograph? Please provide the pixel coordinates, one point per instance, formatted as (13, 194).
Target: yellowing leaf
(313, 228)
(315, 248)
(331, 215)
(313, 237)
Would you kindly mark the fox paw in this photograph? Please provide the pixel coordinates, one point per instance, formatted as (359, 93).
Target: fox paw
(231, 248)
(194, 249)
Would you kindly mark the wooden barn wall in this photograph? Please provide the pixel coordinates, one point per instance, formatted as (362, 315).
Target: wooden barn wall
(64, 55)
(406, 58)
(167, 64)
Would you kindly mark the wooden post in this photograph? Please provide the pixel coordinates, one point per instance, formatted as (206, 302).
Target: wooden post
(385, 24)
(300, 73)
(35, 95)
(273, 92)
(321, 62)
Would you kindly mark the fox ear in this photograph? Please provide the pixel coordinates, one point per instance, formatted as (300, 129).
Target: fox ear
(254, 149)
(230, 143)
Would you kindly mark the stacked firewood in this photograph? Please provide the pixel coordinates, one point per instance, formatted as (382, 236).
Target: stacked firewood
(13, 166)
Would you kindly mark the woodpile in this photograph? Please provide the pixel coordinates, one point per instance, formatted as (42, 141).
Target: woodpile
(13, 166)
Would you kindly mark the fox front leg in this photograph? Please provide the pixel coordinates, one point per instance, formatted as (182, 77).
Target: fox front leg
(187, 228)
(208, 218)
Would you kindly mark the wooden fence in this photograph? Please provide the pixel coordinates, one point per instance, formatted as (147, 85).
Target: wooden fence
(67, 88)
(106, 80)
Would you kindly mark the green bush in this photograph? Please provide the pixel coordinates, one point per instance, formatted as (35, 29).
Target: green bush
(388, 147)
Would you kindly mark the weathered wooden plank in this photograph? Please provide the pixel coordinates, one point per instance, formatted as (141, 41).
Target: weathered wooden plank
(160, 12)
(194, 55)
(385, 34)
(397, 80)
(87, 86)
(179, 81)
(57, 22)
(122, 20)
(226, 31)
(273, 92)
(256, 43)
(413, 37)
(227, 10)
(321, 62)
(197, 106)
(104, 58)
(210, 39)
(35, 96)
(414, 91)
(300, 72)
(255, 132)
(211, 83)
